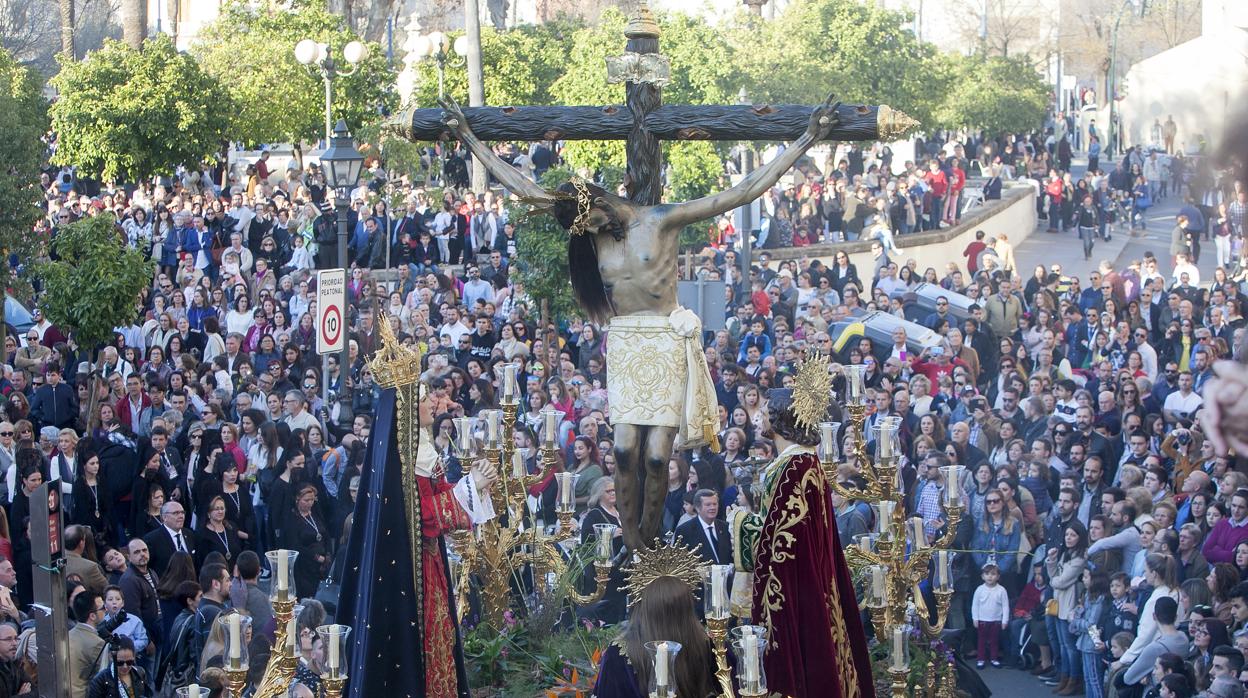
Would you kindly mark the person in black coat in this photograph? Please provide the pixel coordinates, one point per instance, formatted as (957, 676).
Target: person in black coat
(306, 532)
(161, 542)
(121, 678)
(713, 546)
(55, 403)
(92, 506)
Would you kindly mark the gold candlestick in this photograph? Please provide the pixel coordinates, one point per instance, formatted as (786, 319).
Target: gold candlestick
(717, 628)
(280, 670)
(333, 686)
(236, 681)
(899, 681)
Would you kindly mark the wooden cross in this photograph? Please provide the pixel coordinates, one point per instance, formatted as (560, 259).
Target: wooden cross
(644, 121)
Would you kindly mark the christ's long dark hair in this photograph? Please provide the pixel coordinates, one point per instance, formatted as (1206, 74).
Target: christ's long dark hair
(587, 284)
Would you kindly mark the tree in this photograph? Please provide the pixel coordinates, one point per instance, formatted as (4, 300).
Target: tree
(541, 261)
(118, 115)
(1014, 28)
(855, 50)
(95, 284)
(251, 47)
(996, 94)
(67, 28)
(21, 151)
(702, 69)
(134, 22)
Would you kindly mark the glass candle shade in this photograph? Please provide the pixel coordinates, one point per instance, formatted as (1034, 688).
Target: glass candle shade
(282, 564)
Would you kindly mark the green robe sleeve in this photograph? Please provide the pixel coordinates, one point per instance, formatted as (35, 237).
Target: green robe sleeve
(745, 529)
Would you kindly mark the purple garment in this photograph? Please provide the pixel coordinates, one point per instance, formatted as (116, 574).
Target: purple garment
(616, 678)
(1220, 545)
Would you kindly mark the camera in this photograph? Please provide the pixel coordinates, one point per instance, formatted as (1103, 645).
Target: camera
(1183, 437)
(108, 629)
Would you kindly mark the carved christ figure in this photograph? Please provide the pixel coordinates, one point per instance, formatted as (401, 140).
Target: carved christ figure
(622, 260)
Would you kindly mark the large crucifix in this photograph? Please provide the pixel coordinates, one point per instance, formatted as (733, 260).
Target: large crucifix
(623, 252)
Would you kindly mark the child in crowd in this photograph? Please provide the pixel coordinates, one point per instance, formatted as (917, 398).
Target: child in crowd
(990, 611)
(1125, 614)
(1029, 611)
(1092, 618)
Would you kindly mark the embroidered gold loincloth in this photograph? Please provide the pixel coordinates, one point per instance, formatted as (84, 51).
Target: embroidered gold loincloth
(657, 375)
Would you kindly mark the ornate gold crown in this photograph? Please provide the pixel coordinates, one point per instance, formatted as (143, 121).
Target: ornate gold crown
(662, 561)
(393, 365)
(812, 390)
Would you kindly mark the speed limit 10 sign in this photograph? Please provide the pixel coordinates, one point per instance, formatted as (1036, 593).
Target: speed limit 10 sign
(331, 303)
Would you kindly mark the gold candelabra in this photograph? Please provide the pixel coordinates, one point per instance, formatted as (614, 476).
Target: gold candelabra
(500, 549)
(898, 555)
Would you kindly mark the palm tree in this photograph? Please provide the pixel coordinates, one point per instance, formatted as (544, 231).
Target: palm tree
(67, 28)
(134, 22)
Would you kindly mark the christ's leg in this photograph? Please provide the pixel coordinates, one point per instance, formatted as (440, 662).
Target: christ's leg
(659, 441)
(629, 448)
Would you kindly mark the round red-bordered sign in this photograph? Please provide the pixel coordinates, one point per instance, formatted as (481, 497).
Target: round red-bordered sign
(331, 324)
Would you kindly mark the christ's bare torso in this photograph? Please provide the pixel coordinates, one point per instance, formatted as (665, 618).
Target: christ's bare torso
(639, 269)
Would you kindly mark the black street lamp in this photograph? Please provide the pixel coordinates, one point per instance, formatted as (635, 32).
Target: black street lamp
(342, 163)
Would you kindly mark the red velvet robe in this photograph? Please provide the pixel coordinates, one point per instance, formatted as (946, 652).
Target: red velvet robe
(803, 592)
(440, 513)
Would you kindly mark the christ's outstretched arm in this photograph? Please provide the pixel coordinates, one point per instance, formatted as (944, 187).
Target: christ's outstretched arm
(511, 178)
(822, 121)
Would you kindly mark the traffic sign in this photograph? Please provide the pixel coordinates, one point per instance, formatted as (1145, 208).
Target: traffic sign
(331, 303)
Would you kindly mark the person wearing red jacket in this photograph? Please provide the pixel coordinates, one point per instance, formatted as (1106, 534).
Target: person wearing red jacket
(941, 364)
(1055, 189)
(938, 183)
(957, 181)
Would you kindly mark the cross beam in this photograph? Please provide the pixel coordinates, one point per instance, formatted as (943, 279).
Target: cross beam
(784, 122)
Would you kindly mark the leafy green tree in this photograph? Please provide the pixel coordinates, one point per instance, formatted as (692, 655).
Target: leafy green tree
(523, 63)
(95, 283)
(702, 73)
(995, 94)
(125, 114)
(541, 261)
(251, 47)
(21, 151)
(855, 50)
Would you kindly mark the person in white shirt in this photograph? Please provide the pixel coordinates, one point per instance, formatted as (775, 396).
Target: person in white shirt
(1182, 403)
(296, 416)
(990, 611)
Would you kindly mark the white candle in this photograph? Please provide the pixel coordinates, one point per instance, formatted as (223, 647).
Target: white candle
(855, 381)
(509, 383)
(283, 571)
(899, 644)
(886, 442)
(751, 658)
(236, 637)
(334, 659)
(827, 437)
(884, 526)
(192, 691)
(517, 466)
(920, 535)
(605, 534)
(565, 489)
(493, 426)
(877, 582)
(660, 666)
(292, 634)
(718, 599)
(942, 569)
(551, 430)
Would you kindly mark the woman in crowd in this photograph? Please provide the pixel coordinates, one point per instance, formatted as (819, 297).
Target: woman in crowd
(998, 535)
(305, 531)
(1065, 568)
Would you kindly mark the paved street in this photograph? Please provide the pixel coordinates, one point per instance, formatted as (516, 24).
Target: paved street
(1065, 248)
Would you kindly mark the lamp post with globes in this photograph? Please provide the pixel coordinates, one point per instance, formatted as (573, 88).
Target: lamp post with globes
(342, 163)
(438, 46)
(310, 52)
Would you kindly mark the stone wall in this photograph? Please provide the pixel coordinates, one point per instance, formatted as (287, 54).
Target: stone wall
(1014, 216)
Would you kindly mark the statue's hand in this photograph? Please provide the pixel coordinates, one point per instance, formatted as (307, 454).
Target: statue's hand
(823, 119)
(452, 115)
(484, 475)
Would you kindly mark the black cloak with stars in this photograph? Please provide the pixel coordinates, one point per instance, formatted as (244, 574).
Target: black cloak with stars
(378, 598)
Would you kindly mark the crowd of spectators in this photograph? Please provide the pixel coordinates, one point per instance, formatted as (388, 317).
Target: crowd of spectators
(218, 434)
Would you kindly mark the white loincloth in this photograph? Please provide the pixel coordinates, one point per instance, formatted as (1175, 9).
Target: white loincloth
(657, 375)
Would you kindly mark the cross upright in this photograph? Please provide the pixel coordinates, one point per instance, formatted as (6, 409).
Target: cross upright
(643, 122)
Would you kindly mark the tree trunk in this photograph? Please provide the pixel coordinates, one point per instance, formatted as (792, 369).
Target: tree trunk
(67, 28)
(93, 405)
(476, 81)
(134, 22)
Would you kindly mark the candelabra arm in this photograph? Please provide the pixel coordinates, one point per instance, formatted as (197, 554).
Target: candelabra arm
(602, 574)
(857, 558)
(717, 628)
(953, 516)
(280, 670)
(943, 599)
(869, 495)
(548, 464)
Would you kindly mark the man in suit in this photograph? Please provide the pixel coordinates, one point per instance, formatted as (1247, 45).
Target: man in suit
(55, 403)
(89, 572)
(86, 647)
(170, 538)
(707, 531)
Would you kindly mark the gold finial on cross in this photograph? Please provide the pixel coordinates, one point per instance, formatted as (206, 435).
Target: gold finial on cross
(643, 24)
